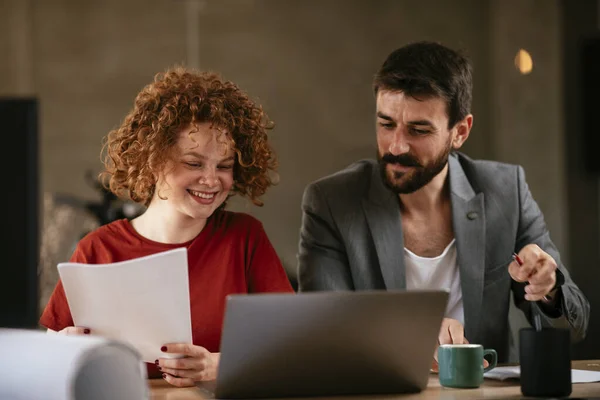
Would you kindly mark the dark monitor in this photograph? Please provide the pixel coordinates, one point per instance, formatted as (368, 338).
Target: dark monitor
(19, 213)
(590, 87)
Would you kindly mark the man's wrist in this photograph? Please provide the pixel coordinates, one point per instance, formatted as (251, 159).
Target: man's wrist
(560, 280)
(552, 306)
(550, 298)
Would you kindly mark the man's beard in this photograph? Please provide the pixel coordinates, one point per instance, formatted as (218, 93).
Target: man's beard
(417, 177)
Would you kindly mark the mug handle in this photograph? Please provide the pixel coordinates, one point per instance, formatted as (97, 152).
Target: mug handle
(494, 362)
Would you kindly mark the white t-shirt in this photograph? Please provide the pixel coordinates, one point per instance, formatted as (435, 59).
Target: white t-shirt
(439, 272)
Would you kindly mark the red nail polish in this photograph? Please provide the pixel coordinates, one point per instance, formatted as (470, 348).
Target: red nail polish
(156, 362)
(86, 331)
(164, 348)
(164, 376)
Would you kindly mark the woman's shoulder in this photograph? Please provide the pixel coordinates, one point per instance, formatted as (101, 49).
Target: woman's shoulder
(113, 232)
(115, 242)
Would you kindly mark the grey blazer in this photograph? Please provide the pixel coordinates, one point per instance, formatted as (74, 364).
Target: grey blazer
(351, 239)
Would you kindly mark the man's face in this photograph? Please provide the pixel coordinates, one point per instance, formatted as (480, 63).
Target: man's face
(413, 140)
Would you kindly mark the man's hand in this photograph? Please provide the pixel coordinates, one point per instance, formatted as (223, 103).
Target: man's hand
(451, 332)
(538, 269)
(198, 364)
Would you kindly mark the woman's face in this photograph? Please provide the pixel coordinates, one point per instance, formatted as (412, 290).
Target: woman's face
(199, 176)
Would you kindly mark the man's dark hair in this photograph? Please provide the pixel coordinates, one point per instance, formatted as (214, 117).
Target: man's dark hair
(425, 69)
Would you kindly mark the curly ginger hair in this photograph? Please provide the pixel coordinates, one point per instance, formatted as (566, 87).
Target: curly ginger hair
(138, 150)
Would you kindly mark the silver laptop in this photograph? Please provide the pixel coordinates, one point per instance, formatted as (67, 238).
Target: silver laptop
(327, 343)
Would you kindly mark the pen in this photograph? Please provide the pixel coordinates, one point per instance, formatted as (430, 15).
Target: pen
(537, 319)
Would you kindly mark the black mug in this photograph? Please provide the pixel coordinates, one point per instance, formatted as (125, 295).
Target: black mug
(545, 358)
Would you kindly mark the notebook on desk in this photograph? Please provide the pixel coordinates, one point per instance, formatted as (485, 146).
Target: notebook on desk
(327, 343)
(514, 372)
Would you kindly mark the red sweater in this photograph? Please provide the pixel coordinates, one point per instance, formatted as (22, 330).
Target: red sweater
(232, 254)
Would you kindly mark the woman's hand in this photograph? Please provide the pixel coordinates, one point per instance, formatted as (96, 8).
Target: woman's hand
(74, 330)
(198, 364)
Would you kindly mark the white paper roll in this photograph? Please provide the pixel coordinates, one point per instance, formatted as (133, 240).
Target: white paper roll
(37, 365)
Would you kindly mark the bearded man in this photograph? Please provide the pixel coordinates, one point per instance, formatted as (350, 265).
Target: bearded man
(425, 216)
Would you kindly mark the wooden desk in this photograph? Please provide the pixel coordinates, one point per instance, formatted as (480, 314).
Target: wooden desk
(490, 389)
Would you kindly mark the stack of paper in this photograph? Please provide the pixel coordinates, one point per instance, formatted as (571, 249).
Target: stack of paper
(514, 372)
(36, 365)
(144, 302)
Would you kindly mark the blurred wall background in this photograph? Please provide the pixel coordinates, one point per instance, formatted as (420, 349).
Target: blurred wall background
(310, 63)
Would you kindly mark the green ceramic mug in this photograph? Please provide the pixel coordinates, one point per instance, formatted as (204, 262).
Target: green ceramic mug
(461, 365)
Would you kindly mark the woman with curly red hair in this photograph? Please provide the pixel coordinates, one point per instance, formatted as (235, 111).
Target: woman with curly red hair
(191, 141)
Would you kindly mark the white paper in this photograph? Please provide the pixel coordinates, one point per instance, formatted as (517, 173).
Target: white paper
(514, 372)
(144, 302)
(583, 376)
(502, 373)
(37, 365)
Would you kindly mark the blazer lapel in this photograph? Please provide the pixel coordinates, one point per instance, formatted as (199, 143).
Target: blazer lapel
(468, 219)
(382, 210)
